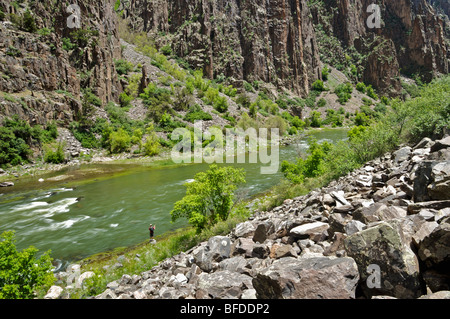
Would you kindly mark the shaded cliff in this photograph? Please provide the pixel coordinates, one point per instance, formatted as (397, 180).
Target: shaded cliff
(47, 65)
(242, 40)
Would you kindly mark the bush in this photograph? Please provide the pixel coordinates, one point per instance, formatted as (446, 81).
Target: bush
(209, 198)
(123, 67)
(221, 104)
(325, 73)
(151, 145)
(344, 91)
(15, 137)
(119, 141)
(21, 272)
(318, 86)
(316, 120)
(54, 155)
(361, 87)
(29, 24)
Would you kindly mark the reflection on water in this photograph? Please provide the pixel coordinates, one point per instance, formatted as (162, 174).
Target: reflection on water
(76, 222)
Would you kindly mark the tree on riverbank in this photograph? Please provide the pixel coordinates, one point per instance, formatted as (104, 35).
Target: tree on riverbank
(209, 198)
(21, 272)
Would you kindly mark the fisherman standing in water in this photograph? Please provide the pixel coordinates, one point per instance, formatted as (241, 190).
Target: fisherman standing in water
(152, 231)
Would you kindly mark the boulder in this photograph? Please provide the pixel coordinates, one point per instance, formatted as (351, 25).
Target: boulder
(353, 227)
(432, 181)
(384, 246)
(7, 184)
(434, 249)
(261, 233)
(217, 249)
(378, 212)
(402, 154)
(243, 246)
(308, 278)
(54, 292)
(444, 294)
(441, 144)
(439, 189)
(414, 208)
(278, 251)
(245, 229)
(314, 231)
(224, 284)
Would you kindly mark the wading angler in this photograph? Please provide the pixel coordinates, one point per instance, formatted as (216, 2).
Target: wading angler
(237, 146)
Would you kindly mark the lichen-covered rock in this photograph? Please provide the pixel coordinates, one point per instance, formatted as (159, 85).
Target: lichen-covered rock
(308, 278)
(383, 245)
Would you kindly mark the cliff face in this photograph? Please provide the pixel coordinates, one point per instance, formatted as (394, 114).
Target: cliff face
(410, 40)
(243, 40)
(36, 64)
(276, 41)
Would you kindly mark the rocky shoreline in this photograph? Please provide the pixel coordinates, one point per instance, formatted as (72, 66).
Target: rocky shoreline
(382, 231)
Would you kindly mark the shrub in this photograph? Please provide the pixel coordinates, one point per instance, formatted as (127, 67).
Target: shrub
(29, 24)
(221, 104)
(15, 137)
(316, 120)
(21, 272)
(209, 198)
(322, 102)
(361, 87)
(343, 91)
(123, 67)
(318, 86)
(54, 155)
(119, 141)
(325, 73)
(371, 92)
(151, 145)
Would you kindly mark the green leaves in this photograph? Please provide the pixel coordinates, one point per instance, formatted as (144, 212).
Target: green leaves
(209, 198)
(21, 273)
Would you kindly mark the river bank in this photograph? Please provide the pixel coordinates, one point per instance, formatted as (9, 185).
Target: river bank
(320, 245)
(99, 164)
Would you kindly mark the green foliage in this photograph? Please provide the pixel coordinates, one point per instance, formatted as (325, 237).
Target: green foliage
(119, 141)
(152, 146)
(322, 102)
(318, 86)
(361, 87)
(15, 137)
(29, 24)
(371, 92)
(21, 272)
(310, 167)
(54, 155)
(123, 67)
(316, 119)
(221, 104)
(209, 198)
(344, 91)
(197, 114)
(325, 73)
(67, 44)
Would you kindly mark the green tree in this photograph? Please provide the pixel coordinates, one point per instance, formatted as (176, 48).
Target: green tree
(21, 272)
(119, 141)
(209, 198)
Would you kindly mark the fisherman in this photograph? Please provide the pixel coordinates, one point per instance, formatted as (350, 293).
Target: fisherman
(152, 230)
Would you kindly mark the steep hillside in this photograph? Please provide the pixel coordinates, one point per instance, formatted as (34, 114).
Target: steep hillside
(133, 70)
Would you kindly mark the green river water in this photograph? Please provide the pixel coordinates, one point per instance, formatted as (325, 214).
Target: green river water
(78, 221)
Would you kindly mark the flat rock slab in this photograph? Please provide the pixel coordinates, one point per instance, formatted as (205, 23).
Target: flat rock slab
(308, 278)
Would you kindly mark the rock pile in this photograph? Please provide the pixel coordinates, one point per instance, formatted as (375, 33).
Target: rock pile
(382, 230)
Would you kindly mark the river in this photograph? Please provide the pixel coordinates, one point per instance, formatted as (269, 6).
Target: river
(75, 222)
